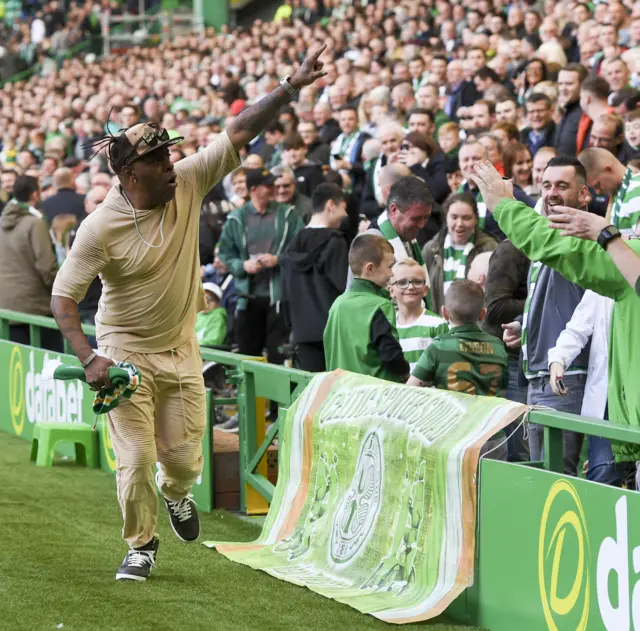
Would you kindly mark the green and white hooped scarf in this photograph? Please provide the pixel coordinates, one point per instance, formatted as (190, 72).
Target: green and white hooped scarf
(455, 261)
(401, 249)
(625, 211)
(482, 207)
(533, 277)
(617, 203)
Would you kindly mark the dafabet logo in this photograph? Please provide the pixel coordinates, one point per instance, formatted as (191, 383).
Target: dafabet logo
(37, 398)
(563, 524)
(569, 568)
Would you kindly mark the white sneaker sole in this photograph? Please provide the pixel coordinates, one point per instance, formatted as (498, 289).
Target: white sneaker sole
(130, 577)
(175, 532)
(231, 430)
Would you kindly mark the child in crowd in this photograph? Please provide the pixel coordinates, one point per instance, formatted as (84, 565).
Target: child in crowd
(211, 324)
(465, 359)
(416, 325)
(361, 334)
(218, 273)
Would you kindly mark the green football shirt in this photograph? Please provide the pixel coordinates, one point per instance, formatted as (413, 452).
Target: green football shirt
(465, 360)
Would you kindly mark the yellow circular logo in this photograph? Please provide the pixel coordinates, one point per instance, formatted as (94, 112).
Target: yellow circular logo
(563, 507)
(107, 444)
(17, 403)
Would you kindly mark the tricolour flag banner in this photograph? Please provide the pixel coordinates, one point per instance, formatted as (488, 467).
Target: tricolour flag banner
(375, 504)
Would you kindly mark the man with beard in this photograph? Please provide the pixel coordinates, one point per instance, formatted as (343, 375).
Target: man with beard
(607, 266)
(550, 303)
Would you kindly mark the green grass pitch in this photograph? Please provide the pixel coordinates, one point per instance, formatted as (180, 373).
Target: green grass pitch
(60, 548)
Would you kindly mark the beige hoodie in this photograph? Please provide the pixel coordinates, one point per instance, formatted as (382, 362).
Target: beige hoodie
(150, 296)
(27, 261)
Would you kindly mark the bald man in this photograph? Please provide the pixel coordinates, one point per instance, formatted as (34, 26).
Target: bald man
(608, 176)
(389, 175)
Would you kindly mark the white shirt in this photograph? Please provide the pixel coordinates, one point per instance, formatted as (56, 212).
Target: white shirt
(37, 31)
(591, 319)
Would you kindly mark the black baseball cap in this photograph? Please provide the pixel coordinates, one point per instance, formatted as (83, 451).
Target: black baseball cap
(259, 177)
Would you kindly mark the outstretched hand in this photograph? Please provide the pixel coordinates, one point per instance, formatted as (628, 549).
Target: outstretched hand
(576, 223)
(310, 70)
(493, 187)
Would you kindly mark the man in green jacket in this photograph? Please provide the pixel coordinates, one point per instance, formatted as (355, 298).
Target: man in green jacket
(252, 239)
(586, 263)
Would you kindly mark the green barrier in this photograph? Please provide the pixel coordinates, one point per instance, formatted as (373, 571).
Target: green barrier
(254, 379)
(24, 399)
(553, 552)
(257, 380)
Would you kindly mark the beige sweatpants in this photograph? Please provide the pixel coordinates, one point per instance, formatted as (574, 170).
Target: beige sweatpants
(164, 421)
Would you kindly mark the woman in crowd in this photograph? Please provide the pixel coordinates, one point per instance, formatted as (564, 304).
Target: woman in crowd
(425, 159)
(448, 256)
(535, 72)
(518, 165)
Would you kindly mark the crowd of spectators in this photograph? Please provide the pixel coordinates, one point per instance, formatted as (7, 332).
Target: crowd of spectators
(424, 88)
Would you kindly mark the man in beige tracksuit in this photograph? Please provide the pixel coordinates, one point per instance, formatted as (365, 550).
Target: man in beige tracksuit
(143, 241)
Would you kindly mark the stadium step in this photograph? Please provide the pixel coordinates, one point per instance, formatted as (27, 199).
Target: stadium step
(47, 435)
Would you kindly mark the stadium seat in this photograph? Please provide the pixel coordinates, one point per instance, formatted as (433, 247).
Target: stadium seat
(47, 435)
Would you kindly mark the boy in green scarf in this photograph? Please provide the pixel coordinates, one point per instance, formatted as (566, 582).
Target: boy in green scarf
(361, 334)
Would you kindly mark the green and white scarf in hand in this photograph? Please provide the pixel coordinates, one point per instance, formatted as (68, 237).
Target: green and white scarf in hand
(534, 272)
(125, 383)
(109, 398)
(455, 261)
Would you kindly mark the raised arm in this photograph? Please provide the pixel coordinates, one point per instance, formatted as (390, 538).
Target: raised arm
(581, 262)
(248, 124)
(577, 223)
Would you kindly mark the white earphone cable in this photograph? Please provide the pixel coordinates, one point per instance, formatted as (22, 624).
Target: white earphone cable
(135, 222)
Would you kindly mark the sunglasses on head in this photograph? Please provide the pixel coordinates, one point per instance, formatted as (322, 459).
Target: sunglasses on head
(152, 139)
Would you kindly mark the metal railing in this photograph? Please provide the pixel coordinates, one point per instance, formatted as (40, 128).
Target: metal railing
(258, 380)
(129, 29)
(255, 380)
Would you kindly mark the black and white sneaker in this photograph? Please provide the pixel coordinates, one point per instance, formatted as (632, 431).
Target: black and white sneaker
(184, 518)
(138, 563)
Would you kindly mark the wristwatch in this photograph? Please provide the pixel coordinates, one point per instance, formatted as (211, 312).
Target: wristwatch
(607, 235)
(284, 82)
